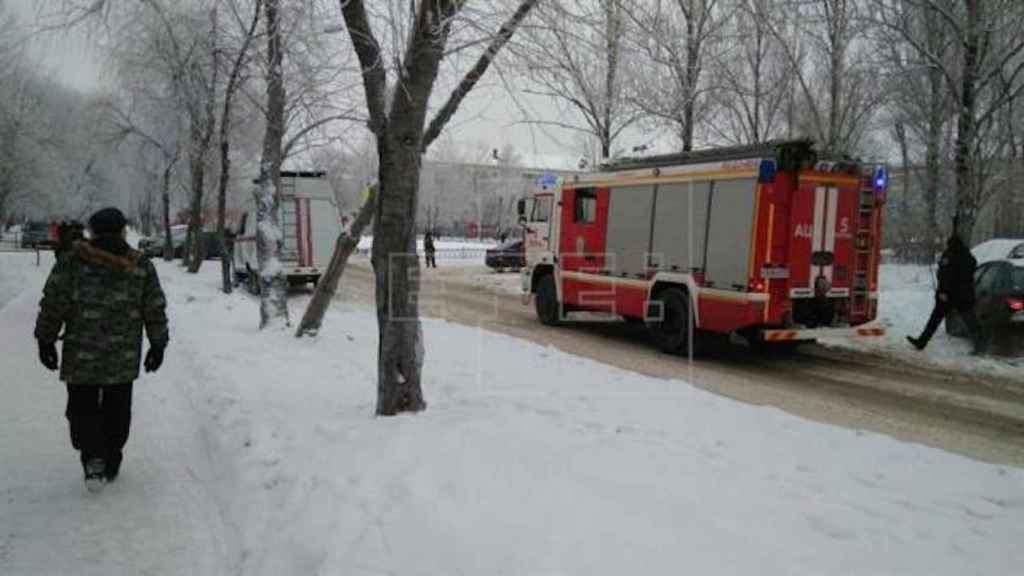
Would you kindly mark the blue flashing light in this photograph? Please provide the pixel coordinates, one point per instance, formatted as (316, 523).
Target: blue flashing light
(881, 178)
(766, 174)
(547, 181)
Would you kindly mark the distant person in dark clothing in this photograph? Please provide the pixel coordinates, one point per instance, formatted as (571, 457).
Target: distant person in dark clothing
(67, 234)
(955, 292)
(428, 248)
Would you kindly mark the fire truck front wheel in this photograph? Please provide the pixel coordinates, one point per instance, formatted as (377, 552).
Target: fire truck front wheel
(549, 311)
(669, 320)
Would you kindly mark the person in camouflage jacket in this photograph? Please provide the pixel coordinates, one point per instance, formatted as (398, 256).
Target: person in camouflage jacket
(102, 293)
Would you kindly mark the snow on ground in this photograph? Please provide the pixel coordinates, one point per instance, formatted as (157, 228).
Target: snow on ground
(451, 252)
(258, 454)
(507, 282)
(158, 518)
(907, 295)
(16, 268)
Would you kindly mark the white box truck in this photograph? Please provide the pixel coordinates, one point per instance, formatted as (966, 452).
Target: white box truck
(310, 224)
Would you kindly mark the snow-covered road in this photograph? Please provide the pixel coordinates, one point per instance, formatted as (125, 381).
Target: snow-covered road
(158, 518)
(257, 454)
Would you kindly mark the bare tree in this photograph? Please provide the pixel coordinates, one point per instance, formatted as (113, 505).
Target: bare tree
(677, 36)
(201, 73)
(920, 100)
(576, 58)
(840, 94)
(985, 78)
(234, 80)
(750, 76)
(402, 136)
(156, 128)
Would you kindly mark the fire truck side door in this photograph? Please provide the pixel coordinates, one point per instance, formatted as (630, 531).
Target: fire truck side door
(584, 214)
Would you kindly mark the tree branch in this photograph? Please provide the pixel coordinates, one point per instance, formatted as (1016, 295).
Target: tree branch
(473, 76)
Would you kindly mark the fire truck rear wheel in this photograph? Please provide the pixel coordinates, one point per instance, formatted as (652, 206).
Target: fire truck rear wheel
(548, 309)
(671, 328)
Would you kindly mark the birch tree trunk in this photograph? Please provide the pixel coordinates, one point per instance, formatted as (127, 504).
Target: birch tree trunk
(274, 285)
(346, 243)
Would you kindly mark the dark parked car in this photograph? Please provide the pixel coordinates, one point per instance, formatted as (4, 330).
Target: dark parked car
(999, 287)
(36, 235)
(211, 247)
(152, 246)
(509, 255)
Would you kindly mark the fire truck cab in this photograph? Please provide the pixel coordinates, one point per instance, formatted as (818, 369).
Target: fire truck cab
(770, 242)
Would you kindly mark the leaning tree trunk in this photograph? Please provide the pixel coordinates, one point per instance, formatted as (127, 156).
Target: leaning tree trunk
(396, 269)
(273, 284)
(344, 246)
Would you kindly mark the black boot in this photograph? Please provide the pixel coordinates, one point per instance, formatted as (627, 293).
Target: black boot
(918, 344)
(113, 466)
(94, 475)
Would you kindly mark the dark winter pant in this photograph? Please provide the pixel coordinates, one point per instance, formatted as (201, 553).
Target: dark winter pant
(939, 314)
(431, 261)
(99, 417)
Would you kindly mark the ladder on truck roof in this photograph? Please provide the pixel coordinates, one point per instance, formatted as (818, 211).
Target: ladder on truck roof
(788, 153)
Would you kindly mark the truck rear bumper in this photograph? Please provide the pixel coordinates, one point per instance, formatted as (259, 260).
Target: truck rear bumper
(870, 330)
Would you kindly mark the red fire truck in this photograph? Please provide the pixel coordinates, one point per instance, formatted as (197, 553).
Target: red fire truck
(771, 242)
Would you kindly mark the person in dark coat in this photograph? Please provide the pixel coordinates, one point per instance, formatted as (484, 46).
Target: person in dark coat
(67, 234)
(955, 292)
(103, 294)
(428, 248)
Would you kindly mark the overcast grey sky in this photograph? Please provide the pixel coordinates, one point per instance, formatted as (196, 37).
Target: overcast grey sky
(68, 55)
(490, 117)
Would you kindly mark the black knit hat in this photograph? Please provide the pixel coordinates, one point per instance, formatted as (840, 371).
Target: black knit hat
(107, 222)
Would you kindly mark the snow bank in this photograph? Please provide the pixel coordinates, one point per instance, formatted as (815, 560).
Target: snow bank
(531, 461)
(907, 295)
(16, 268)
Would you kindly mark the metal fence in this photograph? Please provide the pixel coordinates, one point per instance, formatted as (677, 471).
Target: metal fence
(10, 245)
(444, 253)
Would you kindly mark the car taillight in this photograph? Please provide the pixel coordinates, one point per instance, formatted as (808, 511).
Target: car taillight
(1015, 304)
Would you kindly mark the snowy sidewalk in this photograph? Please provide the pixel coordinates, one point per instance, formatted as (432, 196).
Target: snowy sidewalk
(157, 518)
(257, 454)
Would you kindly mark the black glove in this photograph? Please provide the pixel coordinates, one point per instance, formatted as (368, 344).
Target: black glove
(48, 355)
(154, 358)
